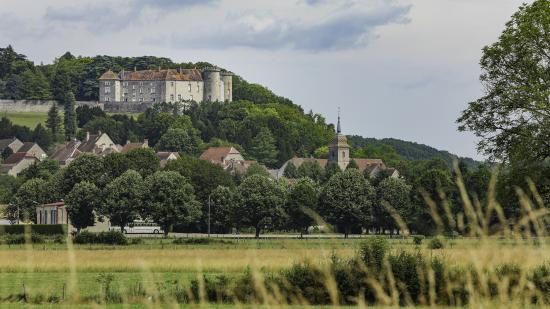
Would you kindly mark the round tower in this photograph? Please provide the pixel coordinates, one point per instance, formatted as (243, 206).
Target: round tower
(227, 79)
(212, 84)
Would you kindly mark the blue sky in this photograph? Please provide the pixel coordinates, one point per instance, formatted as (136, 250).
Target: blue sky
(396, 68)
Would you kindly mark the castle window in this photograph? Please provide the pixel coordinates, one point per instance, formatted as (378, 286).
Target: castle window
(154, 99)
(107, 99)
(151, 84)
(152, 90)
(191, 97)
(189, 87)
(107, 90)
(125, 83)
(141, 99)
(125, 99)
(107, 83)
(141, 83)
(140, 90)
(172, 84)
(171, 97)
(179, 97)
(343, 154)
(133, 86)
(198, 88)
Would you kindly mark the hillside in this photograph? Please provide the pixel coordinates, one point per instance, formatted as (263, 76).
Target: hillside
(293, 131)
(409, 150)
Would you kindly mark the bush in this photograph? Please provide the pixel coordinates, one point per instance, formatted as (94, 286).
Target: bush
(417, 239)
(216, 289)
(42, 229)
(305, 281)
(109, 238)
(18, 239)
(199, 241)
(405, 267)
(373, 252)
(136, 241)
(59, 239)
(437, 242)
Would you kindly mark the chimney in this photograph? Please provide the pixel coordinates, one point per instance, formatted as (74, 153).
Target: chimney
(98, 132)
(127, 141)
(87, 135)
(159, 68)
(135, 68)
(146, 143)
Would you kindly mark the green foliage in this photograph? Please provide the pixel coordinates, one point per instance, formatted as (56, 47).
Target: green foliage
(256, 169)
(19, 239)
(311, 169)
(41, 229)
(54, 124)
(6, 153)
(346, 200)
(394, 193)
(417, 239)
(260, 203)
(81, 203)
(70, 116)
(373, 252)
(263, 148)
(44, 169)
(170, 199)
(290, 171)
(331, 169)
(352, 165)
(86, 167)
(108, 238)
(8, 187)
(438, 242)
(143, 160)
(31, 194)
(180, 140)
(123, 199)
(43, 137)
(222, 201)
(301, 204)
(85, 113)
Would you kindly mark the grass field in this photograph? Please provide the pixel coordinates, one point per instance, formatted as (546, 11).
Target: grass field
(31, 119)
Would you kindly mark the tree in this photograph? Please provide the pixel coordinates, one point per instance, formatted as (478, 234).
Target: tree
(86, 167)
(53, 122)
(70, 116)
(85, 113)
(8, 187)
(180, 140)
(260, 203)
(170, 200)
(346, 201)
(302, 204)
(82, 202)
(222, 202)
(115, 164)
(393, 192)
(263, 148)
(512, 119)
(6, 153)
(352, 164)
(290, 171)
(143, 160)
(123, 199)
(31, 194)
(332, 168)
(311, 169)
(256, 169)
(42, 136)
(42, 169)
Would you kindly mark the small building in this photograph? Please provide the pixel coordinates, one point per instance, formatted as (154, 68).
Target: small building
(14, 143)
(53, 213)
(221, 155)
(99, 144)
(33, 149)
(56, 213)
(17, 162)
(166, 156)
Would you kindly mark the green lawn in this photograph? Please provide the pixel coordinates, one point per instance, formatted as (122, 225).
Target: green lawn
(28, 119)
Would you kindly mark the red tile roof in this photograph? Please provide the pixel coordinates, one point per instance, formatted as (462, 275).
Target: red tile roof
(17, 157)
(216, 153)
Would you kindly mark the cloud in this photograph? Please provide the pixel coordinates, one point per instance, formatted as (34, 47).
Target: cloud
(101, 16)
(339, 29)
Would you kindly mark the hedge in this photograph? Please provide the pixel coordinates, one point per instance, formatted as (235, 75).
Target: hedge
(42, 229)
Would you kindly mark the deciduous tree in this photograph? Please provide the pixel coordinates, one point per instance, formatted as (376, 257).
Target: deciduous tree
(82, 202)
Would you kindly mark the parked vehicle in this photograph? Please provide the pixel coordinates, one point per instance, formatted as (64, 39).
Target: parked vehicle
(140, 227)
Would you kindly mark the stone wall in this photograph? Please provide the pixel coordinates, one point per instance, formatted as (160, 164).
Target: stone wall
(13, 106)
(126, 107)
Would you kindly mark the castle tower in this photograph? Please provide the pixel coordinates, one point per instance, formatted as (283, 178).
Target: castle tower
(212, 84)
(227, 79)
(109, 87)
(339, 148)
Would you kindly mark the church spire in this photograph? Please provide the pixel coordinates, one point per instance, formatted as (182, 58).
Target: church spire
(338, 129)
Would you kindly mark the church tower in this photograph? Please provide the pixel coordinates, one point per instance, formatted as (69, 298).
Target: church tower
(339, 148)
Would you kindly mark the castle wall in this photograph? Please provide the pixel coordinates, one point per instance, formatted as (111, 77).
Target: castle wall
(142, 91)
(38, 106)
(177, 91)
(227, 80)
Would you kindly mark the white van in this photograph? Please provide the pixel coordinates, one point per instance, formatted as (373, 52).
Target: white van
(139, 227)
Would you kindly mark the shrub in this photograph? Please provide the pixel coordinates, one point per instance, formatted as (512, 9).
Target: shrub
(109, 238)
(216, 289)
(59, 239)
(417, 239)
(305, 281)
(405, 267)
(136, 241)
(373, 252)
(42, 229)
(437, 242)
(17, 239)
(200, 241)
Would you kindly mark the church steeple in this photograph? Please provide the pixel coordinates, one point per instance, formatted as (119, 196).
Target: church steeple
(339, 148)
(338, 129)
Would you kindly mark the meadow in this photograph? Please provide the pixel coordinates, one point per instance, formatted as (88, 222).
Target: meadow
(31, 119)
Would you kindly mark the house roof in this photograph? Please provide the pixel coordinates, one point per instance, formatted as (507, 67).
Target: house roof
(16, 158)
(363, 164)
(6, 142)
(109, 75)
(167, 74)
(67, 151)
(164, 155)
(89, 144)
(130, 146)
(57, 204)
(216, 153)
(27, 146)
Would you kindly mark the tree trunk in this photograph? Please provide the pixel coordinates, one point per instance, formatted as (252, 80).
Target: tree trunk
(258, 232)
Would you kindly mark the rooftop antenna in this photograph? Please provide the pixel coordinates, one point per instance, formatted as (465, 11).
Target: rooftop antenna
(338, 130)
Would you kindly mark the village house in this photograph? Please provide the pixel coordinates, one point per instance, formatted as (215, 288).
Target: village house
(56, 213)
(129, 146)
(229, 158)
(26, 154)
(99, 144)
(14, 143)
(166, 156)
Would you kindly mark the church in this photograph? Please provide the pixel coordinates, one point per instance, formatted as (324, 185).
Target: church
(339, 152)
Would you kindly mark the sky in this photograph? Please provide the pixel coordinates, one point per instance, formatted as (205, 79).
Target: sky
(396, 68)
